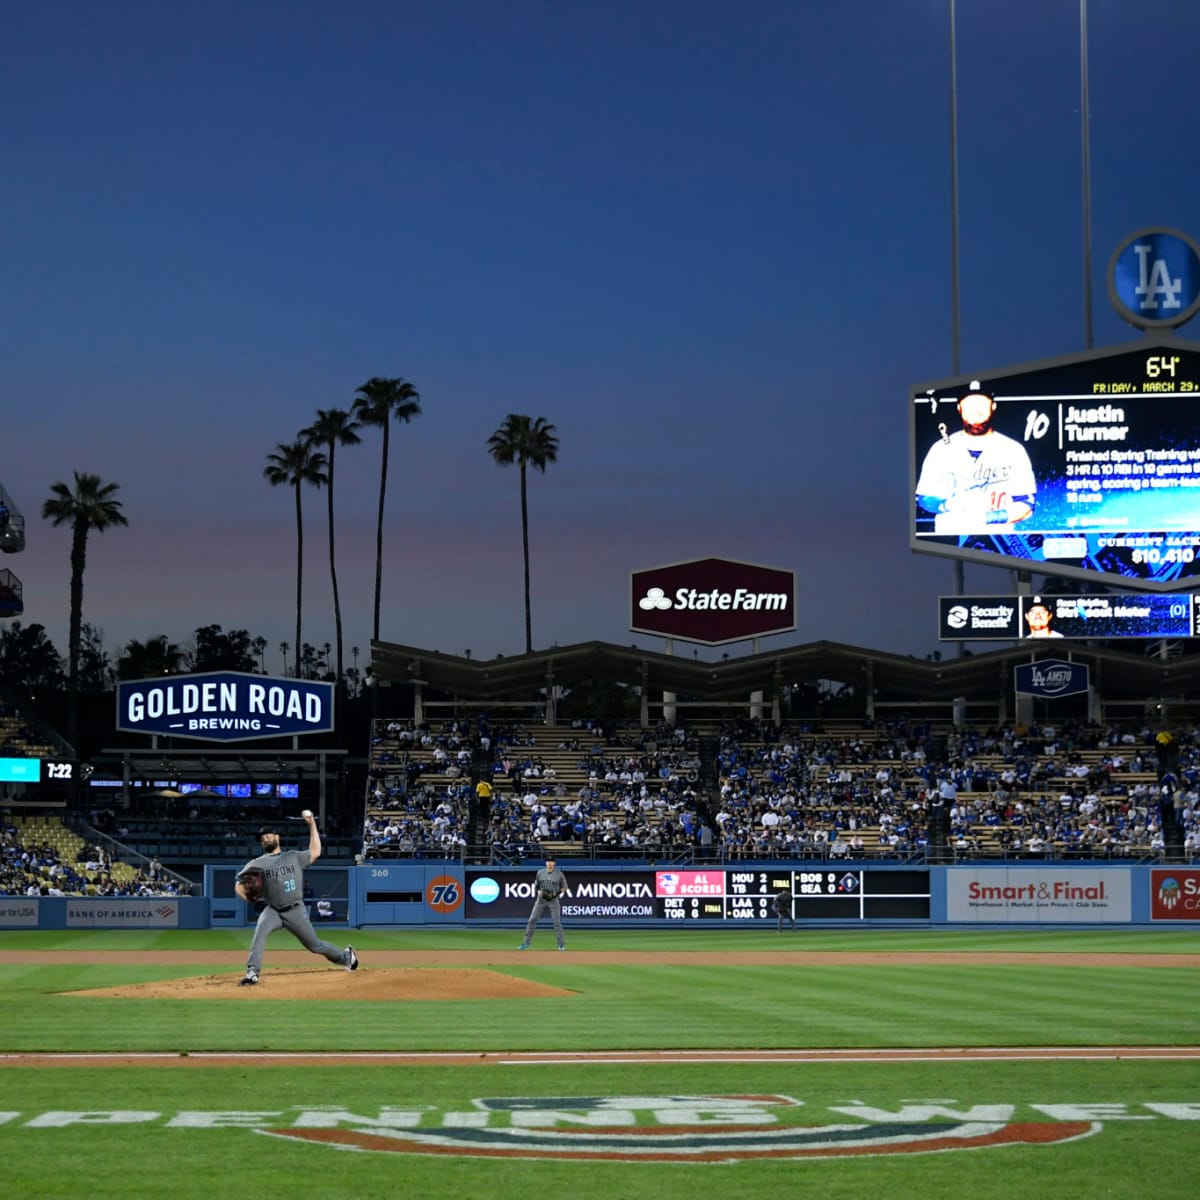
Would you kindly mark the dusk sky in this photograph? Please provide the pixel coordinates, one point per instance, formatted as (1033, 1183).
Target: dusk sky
(708, 241)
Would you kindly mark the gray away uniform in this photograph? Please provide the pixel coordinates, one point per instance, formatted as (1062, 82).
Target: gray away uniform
(548, 889)
(285, 907)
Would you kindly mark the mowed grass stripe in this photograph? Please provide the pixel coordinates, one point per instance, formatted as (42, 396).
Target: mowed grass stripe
(631, 1006)
(651, 941)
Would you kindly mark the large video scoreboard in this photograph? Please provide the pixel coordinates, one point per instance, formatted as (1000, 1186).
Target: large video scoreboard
(823, 892)
(1085, 467)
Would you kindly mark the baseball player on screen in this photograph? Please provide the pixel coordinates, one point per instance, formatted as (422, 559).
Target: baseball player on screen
(976, 480)
(276, 879)
(549, 886)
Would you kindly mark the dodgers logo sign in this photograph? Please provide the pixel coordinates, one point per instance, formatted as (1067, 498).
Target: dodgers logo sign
(225, 706)
(1154, 279)
(1049, 678)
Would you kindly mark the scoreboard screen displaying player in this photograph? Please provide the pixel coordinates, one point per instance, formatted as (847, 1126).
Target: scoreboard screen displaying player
(825, 892)
(1009, 618)
(1085, 467)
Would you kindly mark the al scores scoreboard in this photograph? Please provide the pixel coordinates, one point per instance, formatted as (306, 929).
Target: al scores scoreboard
(828, 893)
(825, 891)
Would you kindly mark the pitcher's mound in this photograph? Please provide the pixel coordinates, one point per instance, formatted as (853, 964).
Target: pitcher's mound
(407, 983)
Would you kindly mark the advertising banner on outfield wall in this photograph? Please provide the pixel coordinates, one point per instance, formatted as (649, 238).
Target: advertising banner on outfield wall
(1175, 894)
(155, 913)
(1045, 895)
(594, 895)
(18, 913)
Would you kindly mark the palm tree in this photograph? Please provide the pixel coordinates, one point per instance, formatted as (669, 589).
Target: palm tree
(155, 656)
(333, 427)
(377, 403)
(295, 464)
(526, 442)
(87, 506)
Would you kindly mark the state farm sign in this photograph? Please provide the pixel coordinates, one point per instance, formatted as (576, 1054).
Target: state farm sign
(712, 601)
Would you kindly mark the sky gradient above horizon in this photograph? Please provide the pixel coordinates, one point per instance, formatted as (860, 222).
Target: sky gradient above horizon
(709, 243)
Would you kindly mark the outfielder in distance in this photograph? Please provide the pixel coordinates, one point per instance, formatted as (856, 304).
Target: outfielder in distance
(976, 480)
(276, 880)
(549, 886)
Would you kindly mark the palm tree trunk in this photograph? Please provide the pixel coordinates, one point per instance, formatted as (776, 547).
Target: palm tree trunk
(525, 548)
(299, 574)
(75, 626)
(337, 604)
(379, 535)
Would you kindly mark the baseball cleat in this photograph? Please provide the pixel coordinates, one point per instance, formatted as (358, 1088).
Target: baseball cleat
(523, 946)
(250, 980)
(351, 963)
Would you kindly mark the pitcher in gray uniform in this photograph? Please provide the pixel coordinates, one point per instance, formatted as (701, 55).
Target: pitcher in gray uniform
(549, 887)
(282, 872)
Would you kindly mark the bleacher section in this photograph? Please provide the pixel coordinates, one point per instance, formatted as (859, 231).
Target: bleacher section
(40, 855)
(902, 791)
(19, 739)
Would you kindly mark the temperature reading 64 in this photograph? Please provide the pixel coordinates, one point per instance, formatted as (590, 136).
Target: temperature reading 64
(1161, 364)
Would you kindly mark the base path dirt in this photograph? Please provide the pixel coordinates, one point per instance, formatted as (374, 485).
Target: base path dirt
(503, 1058)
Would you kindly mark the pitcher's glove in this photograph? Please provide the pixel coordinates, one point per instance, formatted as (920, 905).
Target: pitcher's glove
(546, 895)
(252, 886)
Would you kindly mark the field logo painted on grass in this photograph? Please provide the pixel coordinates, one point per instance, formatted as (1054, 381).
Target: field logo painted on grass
(671, 1128)
(683, 1129)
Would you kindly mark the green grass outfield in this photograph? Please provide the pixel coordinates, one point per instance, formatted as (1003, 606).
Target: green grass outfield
(1142, 1117)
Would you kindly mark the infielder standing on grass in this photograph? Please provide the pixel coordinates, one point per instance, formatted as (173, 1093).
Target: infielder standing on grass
(977, 480)
(549, 887)
(276, 879)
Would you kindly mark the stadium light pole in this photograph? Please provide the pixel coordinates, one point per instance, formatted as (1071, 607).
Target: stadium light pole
(960, 584)
(1086, 168)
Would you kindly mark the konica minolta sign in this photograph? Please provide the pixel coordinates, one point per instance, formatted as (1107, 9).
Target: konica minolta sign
(225, 706)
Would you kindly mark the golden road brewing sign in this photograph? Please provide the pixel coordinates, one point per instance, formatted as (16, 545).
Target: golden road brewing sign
(224, 706)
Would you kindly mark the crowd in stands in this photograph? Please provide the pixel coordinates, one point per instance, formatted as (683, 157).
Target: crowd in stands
(894, 790)
(34, 864)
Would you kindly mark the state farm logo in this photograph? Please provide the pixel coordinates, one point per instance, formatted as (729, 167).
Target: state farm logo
(690, 598)
(712, 601)
(654, 598)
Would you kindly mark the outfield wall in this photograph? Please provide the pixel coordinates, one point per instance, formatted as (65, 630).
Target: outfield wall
(447, 893)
